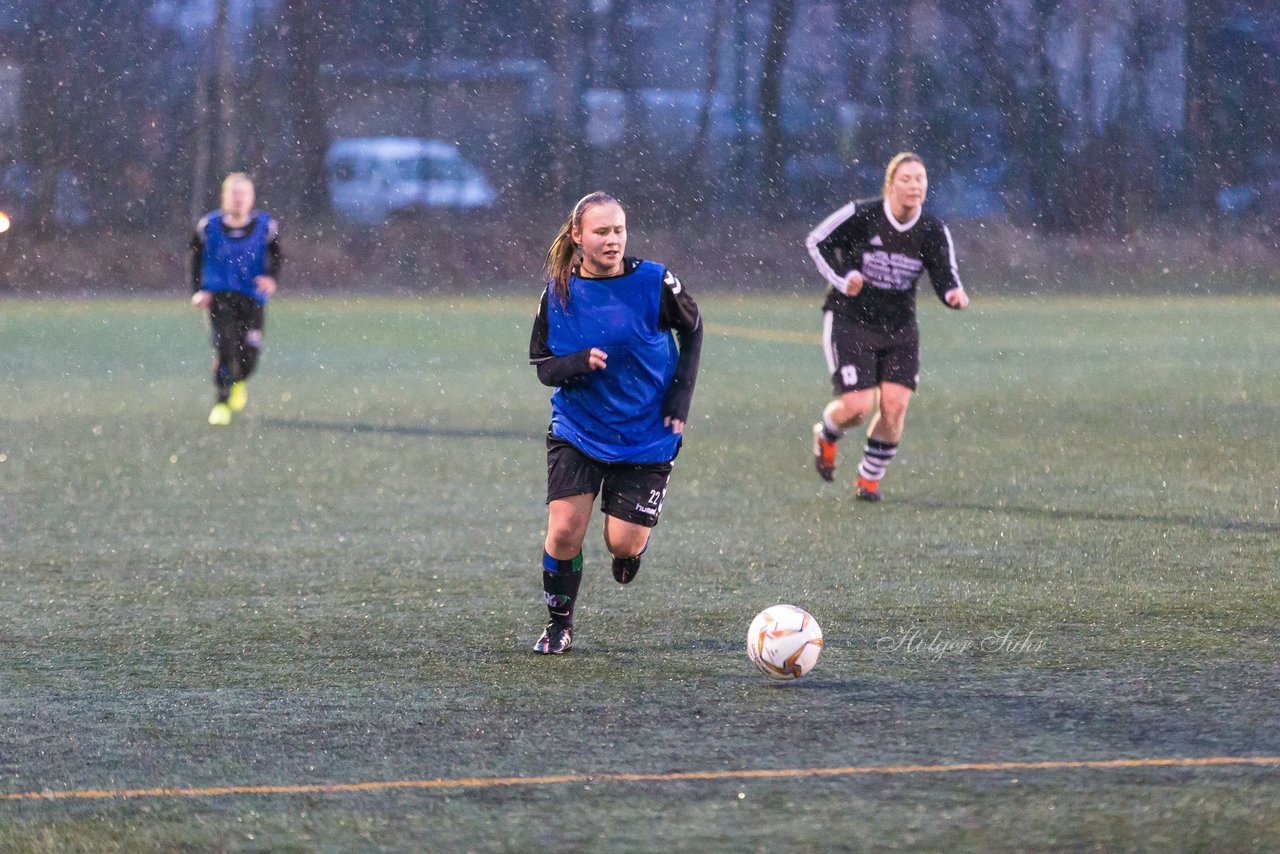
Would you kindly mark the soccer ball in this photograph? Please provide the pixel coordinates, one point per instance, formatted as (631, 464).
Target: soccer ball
(784, 642)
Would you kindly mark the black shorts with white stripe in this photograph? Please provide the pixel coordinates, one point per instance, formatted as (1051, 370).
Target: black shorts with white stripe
(860, 357)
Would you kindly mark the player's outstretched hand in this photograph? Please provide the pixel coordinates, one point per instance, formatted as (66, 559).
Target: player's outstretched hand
(201, 299)
(266, 285)
(957, 298)
(597, 359)
(676, 425)
(853, 283)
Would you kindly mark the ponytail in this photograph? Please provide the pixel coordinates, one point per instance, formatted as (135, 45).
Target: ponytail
(564, 252)
(560, 258)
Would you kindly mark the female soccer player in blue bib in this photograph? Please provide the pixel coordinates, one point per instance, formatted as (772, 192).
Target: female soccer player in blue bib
(235, 258)
(871, 254)
(605, 337)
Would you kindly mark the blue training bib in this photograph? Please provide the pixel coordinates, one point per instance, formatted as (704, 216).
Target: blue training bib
(615, 414)
(232, 263)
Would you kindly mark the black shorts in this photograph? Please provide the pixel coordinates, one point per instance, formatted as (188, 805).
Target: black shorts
(632, 492)
(860, 357)
(236, 320)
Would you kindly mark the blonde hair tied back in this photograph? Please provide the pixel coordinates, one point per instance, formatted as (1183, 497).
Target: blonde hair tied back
(563, 251)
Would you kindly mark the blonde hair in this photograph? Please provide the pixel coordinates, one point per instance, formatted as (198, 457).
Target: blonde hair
(564, 251)
(236, 178)
(896, 161)
(230, 181)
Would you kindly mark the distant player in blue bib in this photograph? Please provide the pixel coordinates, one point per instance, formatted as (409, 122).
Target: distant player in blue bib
(235, 258)
(605, 337)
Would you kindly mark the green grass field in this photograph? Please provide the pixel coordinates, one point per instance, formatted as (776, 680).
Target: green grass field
(342, 588)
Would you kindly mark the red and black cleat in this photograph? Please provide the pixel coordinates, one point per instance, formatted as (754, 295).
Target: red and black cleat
(824, 454)
(868, 490)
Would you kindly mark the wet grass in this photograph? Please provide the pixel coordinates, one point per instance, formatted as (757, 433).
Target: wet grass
(1077, 561)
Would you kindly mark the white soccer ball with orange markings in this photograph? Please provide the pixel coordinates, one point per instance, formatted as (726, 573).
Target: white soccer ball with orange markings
(784, 642)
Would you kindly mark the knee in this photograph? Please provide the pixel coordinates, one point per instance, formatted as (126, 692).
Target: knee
(856, 417)
(563, 538)
(856, 410)
(562, 541)
(893, 411)
(627, 543)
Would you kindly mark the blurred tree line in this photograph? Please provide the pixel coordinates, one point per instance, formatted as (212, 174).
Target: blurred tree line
(1069, 114)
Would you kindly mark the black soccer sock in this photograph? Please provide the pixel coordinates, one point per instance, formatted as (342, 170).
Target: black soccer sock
(632, 557)
(560, 582)
(222, 380)
(248, 361)
(250, 350)
(876, 457)
(625, 568)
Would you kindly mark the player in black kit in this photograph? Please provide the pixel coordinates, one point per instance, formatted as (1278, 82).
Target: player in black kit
(872, 253)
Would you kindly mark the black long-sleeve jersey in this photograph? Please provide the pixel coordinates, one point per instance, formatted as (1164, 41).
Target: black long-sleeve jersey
(271, 263)
(891, 256)
(677, 311)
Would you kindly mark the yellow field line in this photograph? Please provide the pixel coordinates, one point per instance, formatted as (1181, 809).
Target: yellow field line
(659, 777)
(784, 336)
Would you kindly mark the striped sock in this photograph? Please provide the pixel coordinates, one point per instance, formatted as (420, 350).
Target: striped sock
(560, 582)
(876, 457)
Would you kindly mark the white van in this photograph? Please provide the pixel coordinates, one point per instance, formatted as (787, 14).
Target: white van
(372, 179)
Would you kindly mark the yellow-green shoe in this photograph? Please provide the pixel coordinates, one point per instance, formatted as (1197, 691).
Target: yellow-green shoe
(220, 415)
(238, 397)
